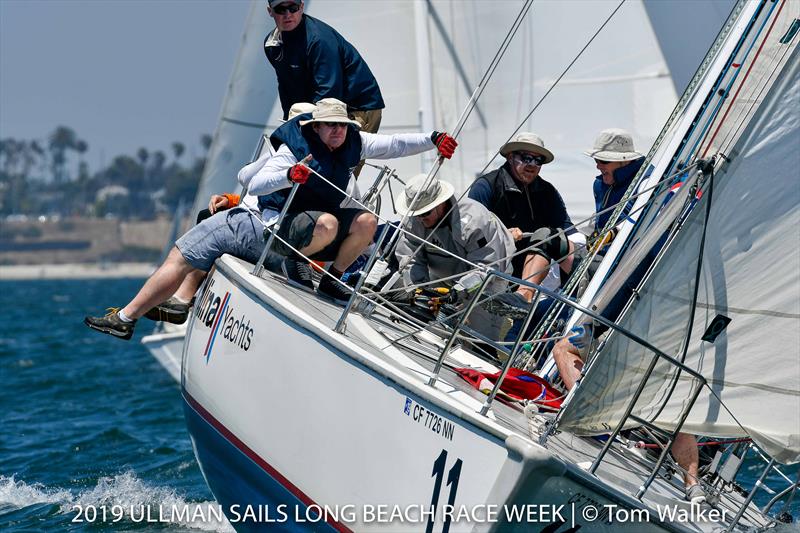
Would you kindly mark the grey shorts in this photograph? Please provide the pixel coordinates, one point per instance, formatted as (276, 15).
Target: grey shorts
(298, 230)
(234, 231)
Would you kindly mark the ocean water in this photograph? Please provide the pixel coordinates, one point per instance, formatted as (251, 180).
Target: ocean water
(88, 420)
(92, 422)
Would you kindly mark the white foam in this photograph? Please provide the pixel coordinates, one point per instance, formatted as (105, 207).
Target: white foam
(18, 494)
(134, 499)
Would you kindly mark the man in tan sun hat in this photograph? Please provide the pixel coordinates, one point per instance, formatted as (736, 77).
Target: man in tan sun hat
(466, 229)
(530, 207)
(618, 163)
(330, 144)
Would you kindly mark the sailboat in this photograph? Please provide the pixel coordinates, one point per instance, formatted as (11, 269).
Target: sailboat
(332, 418)
(640, 87)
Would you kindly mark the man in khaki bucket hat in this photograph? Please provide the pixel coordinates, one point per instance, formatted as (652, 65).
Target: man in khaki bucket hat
(530, 207)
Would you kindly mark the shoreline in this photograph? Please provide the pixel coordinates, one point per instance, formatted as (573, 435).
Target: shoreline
(76, 271)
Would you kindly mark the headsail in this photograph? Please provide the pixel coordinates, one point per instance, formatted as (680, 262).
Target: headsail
(750, 273)
(250, 95)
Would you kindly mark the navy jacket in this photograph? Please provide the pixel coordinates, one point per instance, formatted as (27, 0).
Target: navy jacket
(607, 195)
(315, 62)
(336, 166)
(527, 207)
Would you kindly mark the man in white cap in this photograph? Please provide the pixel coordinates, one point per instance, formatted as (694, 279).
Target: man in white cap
(466, 229)
(530, 207)
(618, 163)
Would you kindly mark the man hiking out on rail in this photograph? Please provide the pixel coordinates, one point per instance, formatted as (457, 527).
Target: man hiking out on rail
(327, 143)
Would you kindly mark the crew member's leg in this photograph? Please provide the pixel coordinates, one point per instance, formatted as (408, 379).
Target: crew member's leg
(357, 229)
(684, 450)
(569, 362)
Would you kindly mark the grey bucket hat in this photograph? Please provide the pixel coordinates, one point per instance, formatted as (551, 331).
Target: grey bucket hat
(435, 193)
(613, 144)
(527, 142)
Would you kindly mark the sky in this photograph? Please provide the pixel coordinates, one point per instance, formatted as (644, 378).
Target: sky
(123, 74)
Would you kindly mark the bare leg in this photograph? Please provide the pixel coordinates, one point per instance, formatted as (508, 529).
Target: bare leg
(569, 363)
(534, 270)
(190, 284)
(161, 285)
(362, 230)
(324, 232)
(684, 449)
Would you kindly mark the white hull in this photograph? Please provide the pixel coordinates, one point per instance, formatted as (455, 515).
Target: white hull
(283, 411)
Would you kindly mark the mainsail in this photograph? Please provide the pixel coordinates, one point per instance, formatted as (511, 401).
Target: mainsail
(611, 84)
(743, 231)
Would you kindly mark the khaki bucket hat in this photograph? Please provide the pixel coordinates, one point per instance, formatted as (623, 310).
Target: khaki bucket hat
(435, 193)
(614, 144)
(330, 110)
(527, 142)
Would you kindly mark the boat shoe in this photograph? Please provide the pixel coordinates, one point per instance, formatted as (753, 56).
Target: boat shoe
(508, 304)
(298, 273)
(695, 494)
(172, 310)
(335, 290)
(111, 324)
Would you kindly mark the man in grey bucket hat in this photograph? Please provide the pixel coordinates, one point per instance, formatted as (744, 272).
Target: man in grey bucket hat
(465, 228)
(618, 162)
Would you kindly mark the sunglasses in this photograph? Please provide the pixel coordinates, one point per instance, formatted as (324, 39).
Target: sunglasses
(601, 162)
(529, 159)
(426, 214)
(334, 124)
(283, 8)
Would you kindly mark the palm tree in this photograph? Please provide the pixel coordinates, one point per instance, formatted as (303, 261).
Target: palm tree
(61, 140)
(178, 148)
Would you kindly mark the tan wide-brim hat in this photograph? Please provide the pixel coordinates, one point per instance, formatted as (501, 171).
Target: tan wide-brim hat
(613, 144)
(527, 142)
(437, 192)
(330, 110)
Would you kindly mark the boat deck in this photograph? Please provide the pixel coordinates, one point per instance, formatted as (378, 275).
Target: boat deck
(414, 353)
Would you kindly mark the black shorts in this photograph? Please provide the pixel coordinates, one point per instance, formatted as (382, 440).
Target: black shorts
(298, 230)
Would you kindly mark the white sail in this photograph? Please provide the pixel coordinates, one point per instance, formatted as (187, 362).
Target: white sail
(750, 273)
(251, 93)
(612, 84)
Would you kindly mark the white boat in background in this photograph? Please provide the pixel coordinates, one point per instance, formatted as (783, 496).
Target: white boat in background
(321, 416)
(443, 58)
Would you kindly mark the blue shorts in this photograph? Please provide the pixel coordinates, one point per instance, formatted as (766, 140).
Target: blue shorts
(234, 231)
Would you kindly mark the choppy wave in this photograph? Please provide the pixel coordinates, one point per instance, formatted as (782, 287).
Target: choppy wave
(123, 499)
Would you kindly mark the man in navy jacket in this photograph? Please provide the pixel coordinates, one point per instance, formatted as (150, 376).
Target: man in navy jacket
(312, 62)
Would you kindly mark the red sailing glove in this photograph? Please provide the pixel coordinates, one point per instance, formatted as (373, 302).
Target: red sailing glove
(299, 173)
(444, 143)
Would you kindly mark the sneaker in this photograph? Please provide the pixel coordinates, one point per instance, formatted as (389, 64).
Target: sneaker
(298, 273)
(111, 324)
(172, 311)
(510, 304)
(696, 495)
(334, 290)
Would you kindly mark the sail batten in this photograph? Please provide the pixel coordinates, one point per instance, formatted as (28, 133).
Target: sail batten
(750, 274)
